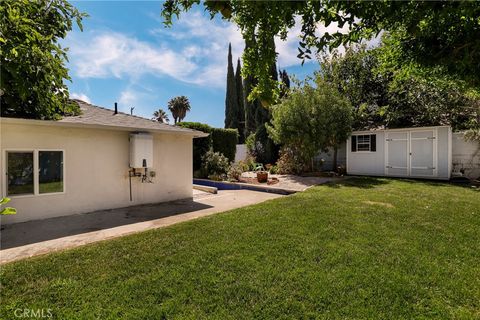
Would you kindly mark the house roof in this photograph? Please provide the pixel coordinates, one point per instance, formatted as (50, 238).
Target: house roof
(98, 117)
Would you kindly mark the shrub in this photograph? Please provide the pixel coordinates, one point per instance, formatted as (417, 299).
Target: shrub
(225, 141)
(273, 169)
(215, 165)
(290, 161)
(244, 165)
(200, 145)
(235, 171)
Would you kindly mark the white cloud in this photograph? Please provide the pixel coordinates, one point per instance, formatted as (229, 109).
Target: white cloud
(80, 96)
(115, 54)
(194, 51)
(127, 97)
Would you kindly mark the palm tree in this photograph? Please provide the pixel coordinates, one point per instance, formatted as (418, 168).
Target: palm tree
(179, 106)
(161, 116)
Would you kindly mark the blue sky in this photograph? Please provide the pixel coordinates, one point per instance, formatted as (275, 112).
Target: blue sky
(125, 54)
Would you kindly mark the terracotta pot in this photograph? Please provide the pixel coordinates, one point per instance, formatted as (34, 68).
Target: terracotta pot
(262, 176)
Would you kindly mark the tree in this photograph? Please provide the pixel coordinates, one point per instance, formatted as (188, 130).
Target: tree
(285, 83)
(438, 33)
(240, 105)
(179, 106)
(32, 65)
(355, 76)
(387, 91)
(231, 99)
(161, 116)
(311, 119)
(249, 104)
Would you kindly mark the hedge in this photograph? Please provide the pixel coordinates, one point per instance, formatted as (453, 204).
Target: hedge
(225, 141)
(200, 145)
(221, 140)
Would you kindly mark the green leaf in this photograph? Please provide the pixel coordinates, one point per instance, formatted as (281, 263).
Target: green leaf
(8, 211)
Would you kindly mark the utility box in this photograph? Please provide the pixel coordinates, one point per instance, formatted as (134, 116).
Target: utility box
(141, 150)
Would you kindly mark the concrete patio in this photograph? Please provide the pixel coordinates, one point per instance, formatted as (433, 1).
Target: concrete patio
(294, 183)
(27, 239)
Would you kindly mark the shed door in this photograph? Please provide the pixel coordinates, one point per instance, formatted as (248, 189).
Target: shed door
(397, 158)
(422, 153)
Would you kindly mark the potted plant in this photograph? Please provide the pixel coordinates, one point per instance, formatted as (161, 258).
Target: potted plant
(262, 176)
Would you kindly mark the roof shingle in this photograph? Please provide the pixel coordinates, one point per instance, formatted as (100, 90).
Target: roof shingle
(99, 116)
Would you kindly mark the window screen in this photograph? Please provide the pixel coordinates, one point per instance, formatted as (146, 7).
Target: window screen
(20, 173)
(367, 142)
(50, 171)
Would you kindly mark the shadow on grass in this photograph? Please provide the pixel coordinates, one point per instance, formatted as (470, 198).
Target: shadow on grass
(372, 182)
(359, 182)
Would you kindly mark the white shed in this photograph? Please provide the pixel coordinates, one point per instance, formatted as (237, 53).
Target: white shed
(411, 152)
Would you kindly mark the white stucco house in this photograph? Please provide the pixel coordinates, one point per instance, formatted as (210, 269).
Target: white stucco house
(424, 152)
(101, 159)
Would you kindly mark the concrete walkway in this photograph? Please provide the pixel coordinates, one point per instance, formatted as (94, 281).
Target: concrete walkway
(27, 239)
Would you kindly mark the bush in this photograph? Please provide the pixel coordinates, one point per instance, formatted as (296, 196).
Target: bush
(290, 161)
(225, 141)
(273, 170)
(200, 145)
(215, 165)
(235, 171)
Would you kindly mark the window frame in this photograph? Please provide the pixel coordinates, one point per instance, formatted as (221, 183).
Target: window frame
(36, 179)
(369, 143)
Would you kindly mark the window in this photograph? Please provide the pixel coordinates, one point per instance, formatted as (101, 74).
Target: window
(34, 172)
(50, 171)
(365, 143)
(20, 173)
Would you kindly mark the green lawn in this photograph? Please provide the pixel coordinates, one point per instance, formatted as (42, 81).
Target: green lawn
(367, 248)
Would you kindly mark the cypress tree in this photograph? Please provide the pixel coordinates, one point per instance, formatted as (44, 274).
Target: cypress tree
(250, 106)
(285, 83)
(240, 105)
(231, 100)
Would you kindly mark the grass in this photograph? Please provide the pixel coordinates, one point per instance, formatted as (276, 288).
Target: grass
(365, 248)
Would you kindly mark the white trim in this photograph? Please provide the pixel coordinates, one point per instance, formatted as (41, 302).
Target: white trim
(36, 182)
(67, 124)
(399, 129)
(450, 146)
(349, 149)
(369, 143)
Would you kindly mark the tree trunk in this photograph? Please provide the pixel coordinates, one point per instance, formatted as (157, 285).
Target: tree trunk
(335, 151)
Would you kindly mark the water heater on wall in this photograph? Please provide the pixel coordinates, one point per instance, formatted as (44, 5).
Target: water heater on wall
(141, 150)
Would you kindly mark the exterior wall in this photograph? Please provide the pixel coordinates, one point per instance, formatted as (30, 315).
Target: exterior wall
(96, 170)
(366, 162)
(241, 152)
(444, 150)
(465, 157)
(328, 157)
(373, 163)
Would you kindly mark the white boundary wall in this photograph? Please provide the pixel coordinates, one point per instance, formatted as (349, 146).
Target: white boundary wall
(465, 157)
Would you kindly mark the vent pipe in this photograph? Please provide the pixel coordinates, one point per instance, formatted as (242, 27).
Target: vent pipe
(116, 109)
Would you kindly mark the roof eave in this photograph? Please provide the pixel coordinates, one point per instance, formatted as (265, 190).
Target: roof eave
(194, 133)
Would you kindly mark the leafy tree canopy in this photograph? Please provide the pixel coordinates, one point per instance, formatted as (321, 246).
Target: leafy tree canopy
(387, 90)
(311, 118)
(161, 116)
(436, 33)
(179, 106)
(32, 65)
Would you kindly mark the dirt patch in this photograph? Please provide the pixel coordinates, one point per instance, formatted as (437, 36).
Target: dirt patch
(383, 204)
(270, 181)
